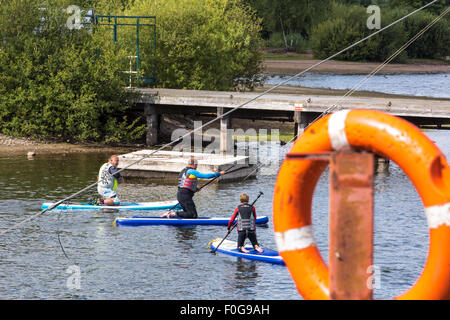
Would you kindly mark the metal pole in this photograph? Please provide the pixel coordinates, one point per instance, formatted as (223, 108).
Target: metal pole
(137, 52)
(115, 30)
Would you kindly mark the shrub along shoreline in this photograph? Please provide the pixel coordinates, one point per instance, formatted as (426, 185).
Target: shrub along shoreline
(328, 26)
(68, 83)
(63, 83)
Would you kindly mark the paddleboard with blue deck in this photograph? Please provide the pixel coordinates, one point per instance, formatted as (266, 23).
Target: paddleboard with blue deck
(230, 247)
(148, 221)
(156, 205)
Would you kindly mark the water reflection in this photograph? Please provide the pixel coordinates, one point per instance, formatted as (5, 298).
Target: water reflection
(174, 263)
(246, 276)
(185, 234)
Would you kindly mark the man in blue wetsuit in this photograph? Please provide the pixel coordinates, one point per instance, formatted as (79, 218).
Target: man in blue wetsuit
(187, 186)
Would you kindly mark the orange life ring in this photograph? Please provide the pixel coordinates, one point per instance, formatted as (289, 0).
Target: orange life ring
(385, 135)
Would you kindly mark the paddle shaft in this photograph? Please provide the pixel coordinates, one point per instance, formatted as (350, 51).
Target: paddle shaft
(226, 171)
(228, 233)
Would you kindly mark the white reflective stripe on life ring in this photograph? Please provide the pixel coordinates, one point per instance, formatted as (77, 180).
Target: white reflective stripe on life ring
(294, 239)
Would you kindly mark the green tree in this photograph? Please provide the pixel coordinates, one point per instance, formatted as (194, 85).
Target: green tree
(291, 16)
(434, 43)
(202, 44)
(57, 82)
(348, 27)
(435, 8)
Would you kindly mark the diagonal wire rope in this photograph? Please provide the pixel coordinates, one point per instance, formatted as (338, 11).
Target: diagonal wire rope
(218, 118)
(387, 61)
(371, 74)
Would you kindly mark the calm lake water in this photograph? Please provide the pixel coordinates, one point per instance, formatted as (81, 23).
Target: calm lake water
(162, 262)
(431, 85)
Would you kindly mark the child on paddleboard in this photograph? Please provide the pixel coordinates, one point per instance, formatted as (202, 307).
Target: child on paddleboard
(246, 226)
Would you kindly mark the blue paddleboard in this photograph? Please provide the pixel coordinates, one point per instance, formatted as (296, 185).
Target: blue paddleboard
(156, 205)
(230, 247)
(148, 221)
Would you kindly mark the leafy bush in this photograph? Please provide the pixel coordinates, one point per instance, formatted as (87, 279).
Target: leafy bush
(202, 44)
(434, 43)
(295, 42)
(436, 8)
(291, 16)
(350, 26)
(56, 82)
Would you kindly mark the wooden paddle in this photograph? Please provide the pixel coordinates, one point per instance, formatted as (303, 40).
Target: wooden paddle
(234, 226)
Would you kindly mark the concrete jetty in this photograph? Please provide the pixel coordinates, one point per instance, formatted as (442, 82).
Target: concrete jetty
(166, 165)
(302, 109)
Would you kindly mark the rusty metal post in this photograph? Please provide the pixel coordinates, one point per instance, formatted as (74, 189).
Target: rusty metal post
(351, 225)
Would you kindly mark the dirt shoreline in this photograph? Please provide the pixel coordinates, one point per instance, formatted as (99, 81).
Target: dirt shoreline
(10, 146)
(290, 67)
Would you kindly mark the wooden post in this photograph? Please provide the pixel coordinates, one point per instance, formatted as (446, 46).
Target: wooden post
(351, 225)
(301, 120)
(152, 124)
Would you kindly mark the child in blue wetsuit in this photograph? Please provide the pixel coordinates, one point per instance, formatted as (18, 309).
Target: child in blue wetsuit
(187, 186)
